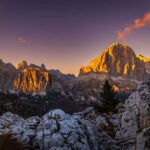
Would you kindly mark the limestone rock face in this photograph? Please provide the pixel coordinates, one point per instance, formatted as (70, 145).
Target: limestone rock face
(6, 78)
(35, 79)
(134, 132)
(6, 66)
(56, 130)
(7, 74)
(31, 80)
(146, 62)
(28, 78)
(117, 60)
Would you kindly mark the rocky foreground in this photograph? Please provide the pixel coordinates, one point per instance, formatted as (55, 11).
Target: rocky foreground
(87, 130)
(57, 130)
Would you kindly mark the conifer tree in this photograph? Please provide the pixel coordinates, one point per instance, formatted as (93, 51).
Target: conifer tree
(108, 98)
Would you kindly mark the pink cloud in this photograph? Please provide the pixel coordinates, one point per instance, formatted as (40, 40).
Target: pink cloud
(137, 24)
(147, 18)
(21, 40)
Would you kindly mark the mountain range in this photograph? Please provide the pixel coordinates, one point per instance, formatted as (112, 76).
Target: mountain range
(45, 109)
(118, 63)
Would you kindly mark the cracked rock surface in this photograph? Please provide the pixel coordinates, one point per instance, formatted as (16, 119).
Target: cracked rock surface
(57, 130)
(134, 131)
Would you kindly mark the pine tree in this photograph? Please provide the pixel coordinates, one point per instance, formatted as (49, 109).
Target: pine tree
(108, 98)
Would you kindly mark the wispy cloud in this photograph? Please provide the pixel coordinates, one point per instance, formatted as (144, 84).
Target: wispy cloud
(21, 40)
(138, 23)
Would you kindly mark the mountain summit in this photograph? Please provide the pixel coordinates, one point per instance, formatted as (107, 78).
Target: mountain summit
(117, 60)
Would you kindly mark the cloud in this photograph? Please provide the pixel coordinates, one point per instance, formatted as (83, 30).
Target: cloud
(21, 40)
(138, 23)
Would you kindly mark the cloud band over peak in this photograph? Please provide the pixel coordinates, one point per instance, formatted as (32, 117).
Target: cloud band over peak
(138, 23)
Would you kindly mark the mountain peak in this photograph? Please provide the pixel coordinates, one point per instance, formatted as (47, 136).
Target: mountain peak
(43, 68)
(115, 44)
(117, 47)
(22, 65)
(117, 60)
(6, 66)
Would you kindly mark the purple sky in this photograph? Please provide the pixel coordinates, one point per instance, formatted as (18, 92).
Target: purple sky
(67, 34)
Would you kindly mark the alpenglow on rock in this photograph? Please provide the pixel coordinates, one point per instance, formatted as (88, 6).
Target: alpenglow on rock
(32, 80)
(28, 79)
(22, 65)
(146, 62)
(117, 60)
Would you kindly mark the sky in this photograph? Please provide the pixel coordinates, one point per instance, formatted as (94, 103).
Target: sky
(68, 34)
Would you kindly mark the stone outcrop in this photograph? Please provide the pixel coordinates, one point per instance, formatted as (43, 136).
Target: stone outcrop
(134, 131)
(56, 130)
(117, 60)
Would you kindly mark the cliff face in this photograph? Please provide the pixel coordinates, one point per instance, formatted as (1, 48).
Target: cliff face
(32, 80)
(6, 78)
(22, 65)
(117, 60)
(6, 66)
(28, 78)
(7, 74)
(146, 62)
